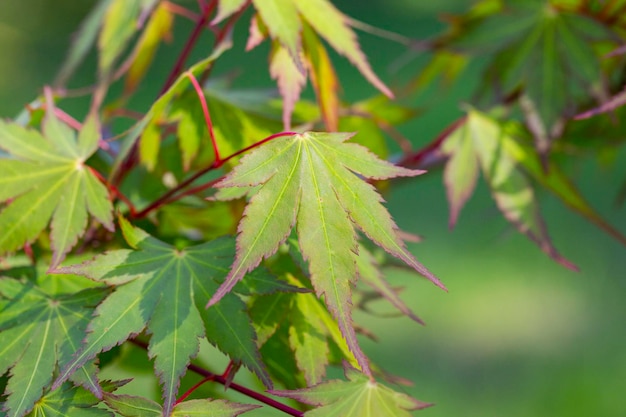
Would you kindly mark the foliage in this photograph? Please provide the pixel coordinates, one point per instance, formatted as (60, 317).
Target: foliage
(206, 161)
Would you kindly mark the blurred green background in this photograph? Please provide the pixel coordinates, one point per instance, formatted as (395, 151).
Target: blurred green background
(517, 335)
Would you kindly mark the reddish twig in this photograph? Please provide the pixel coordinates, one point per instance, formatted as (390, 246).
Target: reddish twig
(175, 193)
(210, 376)
(195, 387)
(191, 42)
(414, 159)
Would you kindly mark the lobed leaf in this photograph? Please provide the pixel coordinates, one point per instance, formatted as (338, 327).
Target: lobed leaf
(48, 182)
(310, 180)
(164, 289)
(358, 396)
(39, 332)
(510, 188)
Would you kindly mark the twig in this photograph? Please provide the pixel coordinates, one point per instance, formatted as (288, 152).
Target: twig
(210, 376)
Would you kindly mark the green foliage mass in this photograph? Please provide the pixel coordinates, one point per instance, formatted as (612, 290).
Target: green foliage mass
(254, 221)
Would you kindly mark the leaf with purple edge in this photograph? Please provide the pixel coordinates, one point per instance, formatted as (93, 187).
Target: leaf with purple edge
(358, 396)
(315, 181)
(512, 191)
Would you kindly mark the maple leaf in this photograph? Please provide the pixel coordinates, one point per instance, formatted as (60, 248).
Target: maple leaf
(316, 181)
(357, 397)
(544, 48)
(164, 290)
(293, 24)
(133, 406)
(37, 333)
(69, 400)
(480, 143)
(45, 177)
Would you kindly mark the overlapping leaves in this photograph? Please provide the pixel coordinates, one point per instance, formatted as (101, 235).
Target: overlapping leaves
(545, 50)
(164, 290)
(482, 144)
(39, 332)
(315, 181)
(285, 21)
(44, 180)
(358, 396)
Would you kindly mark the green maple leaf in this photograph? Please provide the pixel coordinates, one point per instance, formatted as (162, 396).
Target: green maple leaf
(357, 397)
(46, 181)
(69, 400)
(315, 181)
(164, 290)
(133, 406)
(39, 332)
(543, 48)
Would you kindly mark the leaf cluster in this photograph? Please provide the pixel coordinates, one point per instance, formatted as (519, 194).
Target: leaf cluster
(254, 221)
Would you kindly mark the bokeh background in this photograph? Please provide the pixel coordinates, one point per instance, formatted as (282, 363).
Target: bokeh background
(517, 335)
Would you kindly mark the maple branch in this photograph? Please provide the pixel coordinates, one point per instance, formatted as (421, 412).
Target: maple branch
(195, 387)
(168, 197)
(191, 42)
(220, 379)
(414, 159)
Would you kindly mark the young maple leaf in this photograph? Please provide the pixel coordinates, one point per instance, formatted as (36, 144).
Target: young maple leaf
(44, 178)
(357, 397)
(164, 290)
(316, 181)
(39, 332)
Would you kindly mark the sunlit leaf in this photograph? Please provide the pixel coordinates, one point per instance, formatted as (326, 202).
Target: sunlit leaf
(323, 78)
(39, 332)
(46, 181)
(160, 106)
(358, 396)
(283, 23)
(312, 180)
(163, 290)
(289, 78)
(332, 25)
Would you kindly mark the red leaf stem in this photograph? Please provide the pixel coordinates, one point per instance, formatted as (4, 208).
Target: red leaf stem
(210, 376)
(195, 387)
(414, 159)
(115, 192)
(207, 115)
